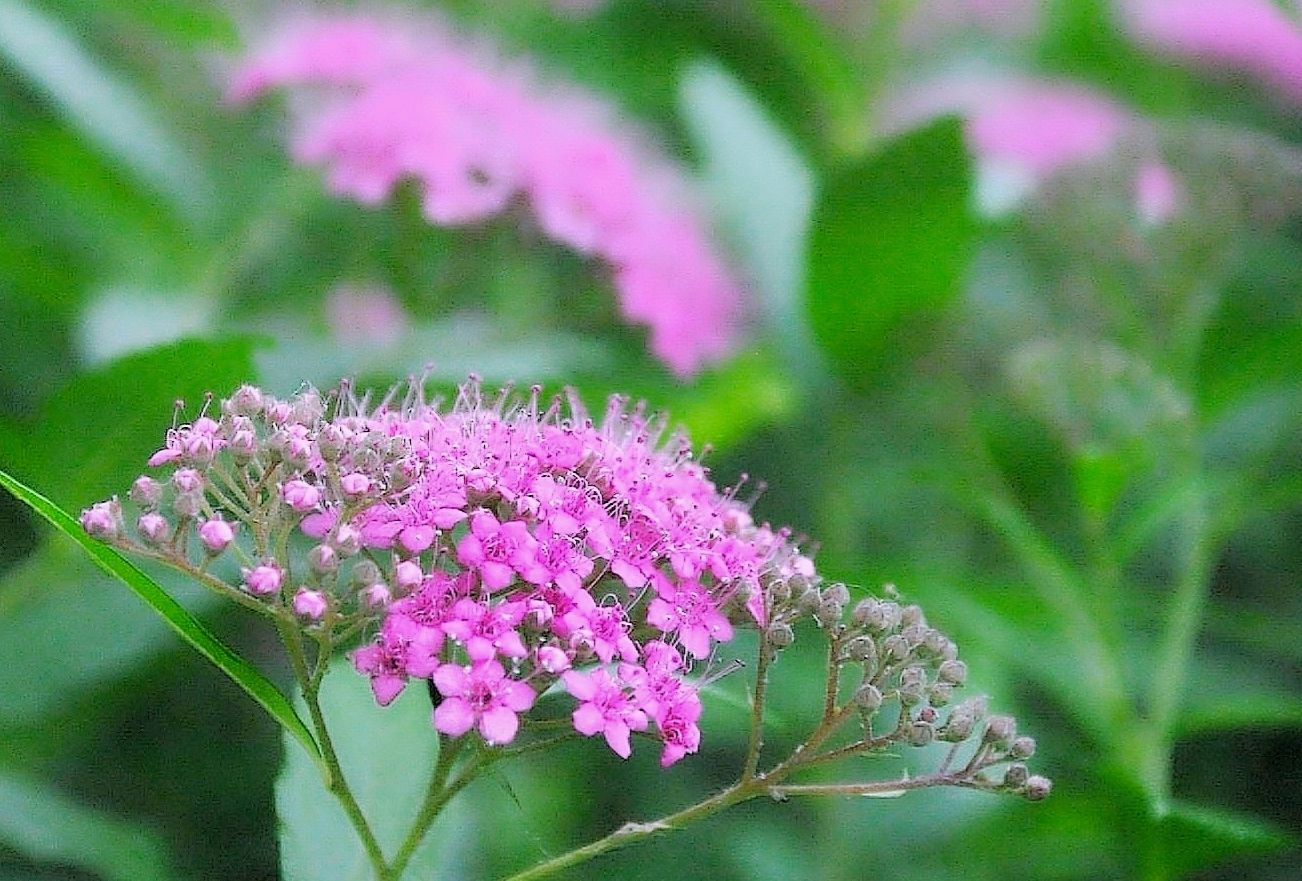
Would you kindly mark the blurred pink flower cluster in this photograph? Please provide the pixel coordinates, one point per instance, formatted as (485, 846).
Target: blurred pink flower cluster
(382, 100)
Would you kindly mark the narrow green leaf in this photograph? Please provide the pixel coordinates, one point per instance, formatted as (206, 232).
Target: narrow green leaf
(244, 674)
(1234, 712)
(46, 826)
(888, 250)
(98, 103)
(387, 756)
(1195, 837)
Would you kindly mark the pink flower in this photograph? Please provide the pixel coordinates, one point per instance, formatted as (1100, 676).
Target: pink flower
(495, 548)
(604, 629)
(477, 134)
(1256, 37)
(687, 610)
(677, 725)
(403, 648)
(487, 631)
(480, 695)
(604, 708)
(103, 520)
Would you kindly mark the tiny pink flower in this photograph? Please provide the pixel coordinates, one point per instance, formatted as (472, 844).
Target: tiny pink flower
(605, 629)
(377, 596)
(102, 520)
(604, 708)
(300, 495)
(491, 546)
(487, 631)
(146, 491)
(408, 575)
(403, 648)
(263, 580)
(480, 695)
(553, 659)
(187, 480)
(355, 484)
(153, 527)
(310, 604)
(687, 610)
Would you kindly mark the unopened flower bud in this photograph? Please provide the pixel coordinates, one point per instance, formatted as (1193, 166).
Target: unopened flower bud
(999, 729)
(885, 616)
(404, 473)
(146, 491)
(347, 540)
(408, 576)
(199, 449)
(323, 559)
(310, 604)
(915, 634)
(953, 672)
(247, 401)
(780, 634)
(376, 596)
(330, 442)
(300, 495)
(940, 694)
(780, 589)
(188, 505)
(1022, 747)
(1037, 788)
(153, 527)
(860, 648)
(297, 453)
(553, 659)
(868, 697)
(278, 412)
(103, 520)
(809, 601)
(216, 535)
(243, 446)
(837, 593)
(934, 642)
(1016, 775)
(863, 611)
(308, 408)
(828, 614)
(355, 484)
(959, 726)
(187, 480)
(263, 580)
(921, 734)
(911, 615)
(895, 648)
(365, 572)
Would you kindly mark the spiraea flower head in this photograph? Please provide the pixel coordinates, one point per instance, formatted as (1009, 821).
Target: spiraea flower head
(504, 547)
(405, 99)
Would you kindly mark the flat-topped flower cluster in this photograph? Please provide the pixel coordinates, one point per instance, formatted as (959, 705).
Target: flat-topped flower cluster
(386, 99)
(494, 547)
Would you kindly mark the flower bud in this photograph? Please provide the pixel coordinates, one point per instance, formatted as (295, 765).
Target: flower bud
(1016, 776)
(199, 449)
(187, 480)
(809, 602)
(999, 729)
(404, 473)
(921, 734)
(278, 412)
(347, 540)
(837, 593)
(935, 642)
(860, 648)
(940, 694)
(953, 672)
(243, 446)
(780, 589)
(895, 648)
(330, 442)
(780, 635)
(355, 485)
(216, 535)
(553, 659)
(868, 697)
(1022, 747)
(959, 726)
(408, 576)
(1037, 788)
(188, 505)
(103, 520)
(153, 527)
(308, 407)
(829, 613)
(310, 604)
(263, 580)
(376, 596)
(365, 572)
(146, 491)
(247, 401)
(883, 617)
(300, 495)
(323, 559)
(911, 615)
(297, 453)
(915, 634)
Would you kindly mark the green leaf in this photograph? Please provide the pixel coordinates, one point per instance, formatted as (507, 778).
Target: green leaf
(1235, 712)
(105, 108)
(1194, 837)
(762, 186)
(888, 249)
(387, 755)
(93, 435)
(46, 826)
(244, 674)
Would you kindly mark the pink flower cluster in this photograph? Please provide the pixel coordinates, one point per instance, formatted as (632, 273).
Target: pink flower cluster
(398, 100)
(532, 544)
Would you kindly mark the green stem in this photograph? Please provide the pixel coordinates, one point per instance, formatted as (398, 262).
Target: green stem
(438, 795)
(756, 740)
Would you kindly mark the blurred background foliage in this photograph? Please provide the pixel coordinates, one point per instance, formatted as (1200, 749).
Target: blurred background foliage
(1063, 411)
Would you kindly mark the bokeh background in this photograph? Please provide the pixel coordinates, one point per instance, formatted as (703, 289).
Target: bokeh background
(1024, 285)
